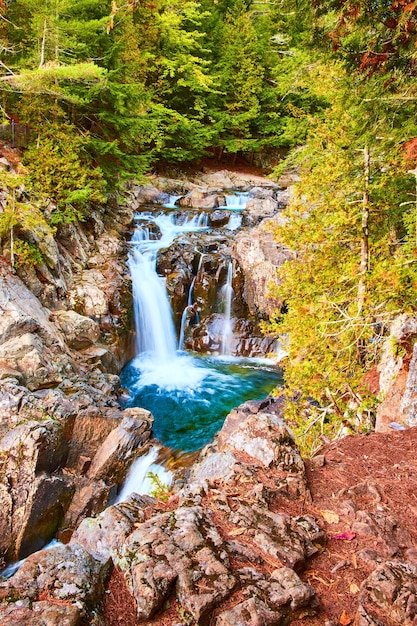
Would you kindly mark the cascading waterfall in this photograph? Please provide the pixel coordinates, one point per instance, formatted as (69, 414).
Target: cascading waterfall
(227, 294)
(236, 202)
(155, 332)
(189, 396)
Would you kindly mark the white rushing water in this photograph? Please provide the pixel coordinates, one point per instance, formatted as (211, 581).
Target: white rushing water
(140, 478)
(155, 331)
(236, 201)
(227, 294)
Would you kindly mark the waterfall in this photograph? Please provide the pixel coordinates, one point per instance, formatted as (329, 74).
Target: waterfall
(172, 202)
(236, 201)
(138, 479)
(227, 294)
(155, 331)
(235, 221)
(190, 293)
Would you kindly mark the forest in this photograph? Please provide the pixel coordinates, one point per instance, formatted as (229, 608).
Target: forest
(324, 87)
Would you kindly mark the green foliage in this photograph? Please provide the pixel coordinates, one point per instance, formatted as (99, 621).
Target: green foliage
(334, 336)
(59, 168)
(159, 490)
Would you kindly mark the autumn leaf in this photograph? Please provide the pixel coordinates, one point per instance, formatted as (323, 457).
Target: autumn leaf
(353, 588)
(330, 517)
(346, 535)
(344, 619)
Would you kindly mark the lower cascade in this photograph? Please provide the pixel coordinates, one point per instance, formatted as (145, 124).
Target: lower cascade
(189, 395)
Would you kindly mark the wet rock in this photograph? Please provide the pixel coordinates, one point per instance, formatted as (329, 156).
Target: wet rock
(112, 458)
(38, 501)
(217, 219)
(80, 331)
(39, 614)
(182, 547)
(390, 592)
(63, 573)
(202, 199)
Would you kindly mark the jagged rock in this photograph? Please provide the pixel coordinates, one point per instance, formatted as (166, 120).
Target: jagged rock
(90, 498)
(91, 427)
(259, 256)
(212, 466)
(389, 537)
(274, 600)
(11, 396)
(264, 436)
(103, 536)
(390, 592)
(39, 614)
(252, 612)
(258, 209)
(80, 331)
(182, 547)
(290, 540)
(89, 296)
(29, 343)
(38, 500)
(63, 573)
(113, 456)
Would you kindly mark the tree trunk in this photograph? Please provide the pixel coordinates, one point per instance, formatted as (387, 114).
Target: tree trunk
(43, 44)
(364, 266)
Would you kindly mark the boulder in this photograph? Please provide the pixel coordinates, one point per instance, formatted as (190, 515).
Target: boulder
(389, 593)
(39, 614)
(148, 194)
(217, 219)
(80, 331)
(64, 574)
(202, 199)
